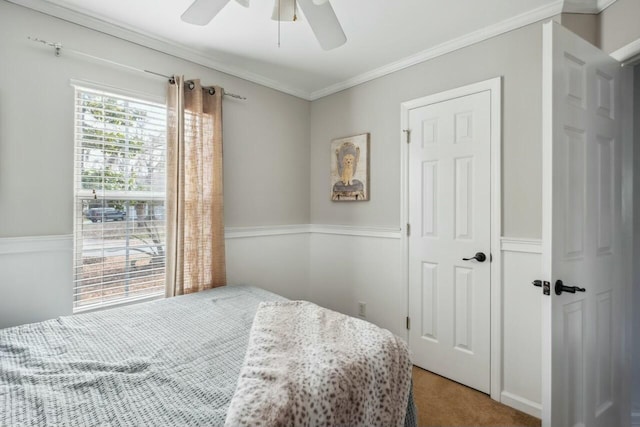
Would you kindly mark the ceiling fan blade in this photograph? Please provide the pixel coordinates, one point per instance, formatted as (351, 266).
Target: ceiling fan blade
(201, 12)
(324, 23)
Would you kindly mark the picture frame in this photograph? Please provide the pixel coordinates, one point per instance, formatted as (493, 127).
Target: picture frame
(349, 174)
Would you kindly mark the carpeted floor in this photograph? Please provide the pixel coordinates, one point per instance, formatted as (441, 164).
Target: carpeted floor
(441, 402)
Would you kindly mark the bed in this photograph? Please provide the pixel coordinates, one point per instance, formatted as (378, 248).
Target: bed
(168, 362)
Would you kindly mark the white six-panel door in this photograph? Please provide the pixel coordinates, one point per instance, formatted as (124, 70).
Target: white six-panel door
(582, 331)
(449, 185)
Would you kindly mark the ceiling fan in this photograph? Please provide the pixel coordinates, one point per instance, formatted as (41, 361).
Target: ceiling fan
(319, 13)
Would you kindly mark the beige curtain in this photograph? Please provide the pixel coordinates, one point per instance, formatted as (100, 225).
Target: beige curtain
(195, 223)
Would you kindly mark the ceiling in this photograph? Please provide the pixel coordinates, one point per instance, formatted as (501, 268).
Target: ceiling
(382, 35)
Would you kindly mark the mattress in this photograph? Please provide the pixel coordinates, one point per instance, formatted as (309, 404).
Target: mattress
(169, 362)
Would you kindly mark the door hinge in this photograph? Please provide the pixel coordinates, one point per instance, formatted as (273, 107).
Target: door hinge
(408, 133)
(408, 323)
(408, 229)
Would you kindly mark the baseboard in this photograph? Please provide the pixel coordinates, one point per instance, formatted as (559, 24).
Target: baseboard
(20, 245)
(521, 404)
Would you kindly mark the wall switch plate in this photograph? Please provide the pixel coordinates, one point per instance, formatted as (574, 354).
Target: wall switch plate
(362, 309)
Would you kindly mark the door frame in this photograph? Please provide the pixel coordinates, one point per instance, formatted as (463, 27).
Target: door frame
(629, 56)
(494, 86)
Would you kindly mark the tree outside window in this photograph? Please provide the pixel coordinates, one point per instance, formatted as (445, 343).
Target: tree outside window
(120, 198)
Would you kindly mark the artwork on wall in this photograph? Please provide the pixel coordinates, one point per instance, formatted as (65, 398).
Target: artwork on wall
(350, 168)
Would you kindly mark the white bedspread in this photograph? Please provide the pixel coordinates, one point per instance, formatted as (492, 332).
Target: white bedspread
(307, 366)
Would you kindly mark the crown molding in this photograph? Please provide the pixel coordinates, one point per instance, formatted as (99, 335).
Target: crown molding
(477, 36)
(154, 42)
(603, 4)
(580, 6)
(628, 54)
(593, 7)
(202, 58)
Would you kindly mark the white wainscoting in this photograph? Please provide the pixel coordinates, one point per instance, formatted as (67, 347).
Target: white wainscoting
(313, 262)
(521, 311)
(316, 262)
(273, 258)
(35, 278)
(346, 269)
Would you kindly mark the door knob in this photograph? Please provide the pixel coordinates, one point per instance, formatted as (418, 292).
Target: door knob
(480, 257)
(560, 287)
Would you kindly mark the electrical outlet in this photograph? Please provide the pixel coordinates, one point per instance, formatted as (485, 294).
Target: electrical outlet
(362, 309)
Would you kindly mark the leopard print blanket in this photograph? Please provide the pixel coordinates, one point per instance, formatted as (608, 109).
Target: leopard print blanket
(309, 366)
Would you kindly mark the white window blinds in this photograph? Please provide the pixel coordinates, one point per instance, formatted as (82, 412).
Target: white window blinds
(119, 224)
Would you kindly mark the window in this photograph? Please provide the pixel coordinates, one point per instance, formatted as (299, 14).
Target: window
(119, 224)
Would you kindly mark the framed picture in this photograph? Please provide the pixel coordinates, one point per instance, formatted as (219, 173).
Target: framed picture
(350, 168)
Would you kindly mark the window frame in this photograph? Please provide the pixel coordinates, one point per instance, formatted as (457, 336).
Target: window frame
(81, 195)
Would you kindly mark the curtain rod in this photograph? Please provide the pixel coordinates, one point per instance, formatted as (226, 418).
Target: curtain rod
(58, 50)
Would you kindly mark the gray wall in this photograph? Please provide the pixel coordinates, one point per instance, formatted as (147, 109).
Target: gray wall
(265, 137)
(619, 25)
(585, 25)
(266, 148)
(375, 107)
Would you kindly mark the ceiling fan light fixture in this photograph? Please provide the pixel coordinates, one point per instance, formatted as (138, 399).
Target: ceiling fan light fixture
(287, 11)
(318, 14)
